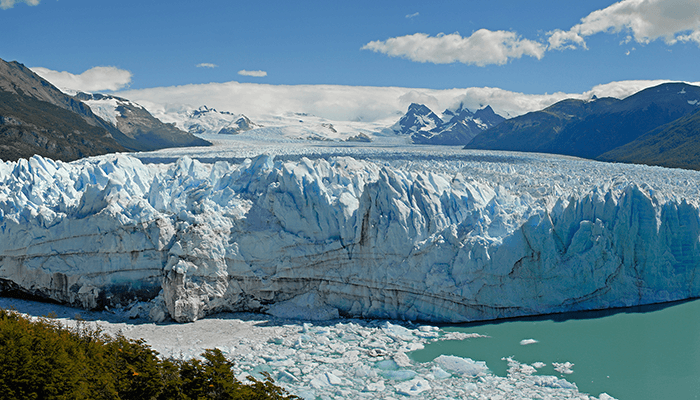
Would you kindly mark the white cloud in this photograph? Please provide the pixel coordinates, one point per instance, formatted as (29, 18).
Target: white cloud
(482, 48)
(383, 105)
(92, 80)
(409, 16)
(5, 4)
(257, 74)
(206, 65)
(646, 20)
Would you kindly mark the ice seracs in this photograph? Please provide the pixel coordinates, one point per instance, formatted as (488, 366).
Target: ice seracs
(474, 237)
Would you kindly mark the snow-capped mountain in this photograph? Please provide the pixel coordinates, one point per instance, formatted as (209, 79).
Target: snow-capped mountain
(417, 118)
(385, 234)
(209, 121)
(37, 118)
(143, 130)
(456, 127)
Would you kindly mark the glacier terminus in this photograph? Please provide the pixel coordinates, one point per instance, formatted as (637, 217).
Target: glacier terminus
(380, 233)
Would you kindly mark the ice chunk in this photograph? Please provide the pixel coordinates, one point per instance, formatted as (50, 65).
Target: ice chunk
(462, 366)
(398, 375)
(525, 342)
(439, 373)
(563, 368)
(413, 387)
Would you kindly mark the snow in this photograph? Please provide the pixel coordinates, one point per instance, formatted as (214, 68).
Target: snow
(325, 360)
(105, 109)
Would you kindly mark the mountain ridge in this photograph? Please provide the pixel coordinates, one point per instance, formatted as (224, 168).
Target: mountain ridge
(456, 127)
(590, 128)
(38, 118)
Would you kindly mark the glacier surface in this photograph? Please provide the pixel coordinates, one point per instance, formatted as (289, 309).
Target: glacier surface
(386, 233)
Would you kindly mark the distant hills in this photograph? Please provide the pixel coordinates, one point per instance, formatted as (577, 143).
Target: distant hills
(655, 126)
(456, 127)
(37, 118)
(674, 145)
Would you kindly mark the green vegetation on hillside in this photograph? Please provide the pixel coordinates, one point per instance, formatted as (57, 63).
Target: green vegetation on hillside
(43, 360)
(674, 145)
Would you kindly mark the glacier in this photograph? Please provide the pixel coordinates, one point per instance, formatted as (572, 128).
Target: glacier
(406, 235)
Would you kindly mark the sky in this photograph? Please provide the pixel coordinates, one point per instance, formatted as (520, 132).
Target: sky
(530, 48)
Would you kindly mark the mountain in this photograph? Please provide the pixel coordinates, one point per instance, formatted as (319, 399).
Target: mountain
(591, 128)
(143, 131)
(456, 127)
(674, 145)
(37, 118)
(209, 121)
(240, 124)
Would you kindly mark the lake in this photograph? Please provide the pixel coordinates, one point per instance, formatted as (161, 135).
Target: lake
(650, 352)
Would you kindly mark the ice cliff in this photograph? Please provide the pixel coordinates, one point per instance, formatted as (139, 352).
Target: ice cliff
(480, 238)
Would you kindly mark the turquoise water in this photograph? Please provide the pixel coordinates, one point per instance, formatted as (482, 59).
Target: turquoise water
(640, 353)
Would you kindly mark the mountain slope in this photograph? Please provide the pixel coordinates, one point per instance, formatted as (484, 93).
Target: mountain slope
(37, 118)
(29, 126)
(591, 128)
(675, 145)
(142, 130)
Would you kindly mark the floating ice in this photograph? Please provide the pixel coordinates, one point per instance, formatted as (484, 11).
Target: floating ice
(563, 368)
(333, 360)
(525, 342)
(462, 366)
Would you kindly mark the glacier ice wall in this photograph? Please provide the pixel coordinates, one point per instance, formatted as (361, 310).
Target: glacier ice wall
(365, 238)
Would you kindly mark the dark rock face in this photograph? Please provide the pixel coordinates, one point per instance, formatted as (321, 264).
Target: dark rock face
(29, 126)
(591, 128)
(416, 118)
(425, 127)
(37, 118)
(241, 124)
(141, 130)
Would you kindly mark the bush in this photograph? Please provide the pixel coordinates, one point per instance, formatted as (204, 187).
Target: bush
(44, 360)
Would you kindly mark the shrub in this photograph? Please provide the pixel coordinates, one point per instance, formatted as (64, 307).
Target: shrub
(43, 360)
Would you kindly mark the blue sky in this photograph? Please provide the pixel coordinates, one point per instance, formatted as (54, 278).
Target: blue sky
(532, 47)
(162, 42)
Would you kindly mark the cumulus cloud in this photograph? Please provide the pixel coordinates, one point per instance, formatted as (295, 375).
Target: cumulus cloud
(206, 65)
(92, 80)
(645, 20)
(257, 74)
(381, 105)
(482, 48)
(5, 4)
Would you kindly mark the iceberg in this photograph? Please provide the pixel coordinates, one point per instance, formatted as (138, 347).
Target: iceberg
(478, 236)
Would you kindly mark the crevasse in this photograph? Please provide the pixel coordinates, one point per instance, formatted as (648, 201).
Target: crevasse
(472, 240)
